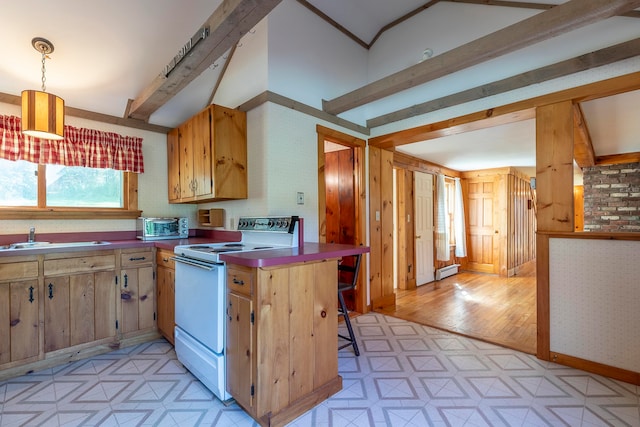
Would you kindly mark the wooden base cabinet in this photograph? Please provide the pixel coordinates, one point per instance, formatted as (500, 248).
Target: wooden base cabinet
(282, 346)
(137, 291)
(166, 294)
(59, 307)
(19, 310)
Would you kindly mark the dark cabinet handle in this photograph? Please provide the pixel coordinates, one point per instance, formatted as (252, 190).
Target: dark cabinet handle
(31, 299)
(137, 259)
(230, 318)
(50, 290)
(238, 282)
(126, 280)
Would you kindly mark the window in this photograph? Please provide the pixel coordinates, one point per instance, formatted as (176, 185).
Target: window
(64, 191)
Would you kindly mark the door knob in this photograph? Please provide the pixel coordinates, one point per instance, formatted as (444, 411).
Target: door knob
(417, 237)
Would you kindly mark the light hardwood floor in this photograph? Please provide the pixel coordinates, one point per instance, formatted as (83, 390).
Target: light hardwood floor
(487, 307)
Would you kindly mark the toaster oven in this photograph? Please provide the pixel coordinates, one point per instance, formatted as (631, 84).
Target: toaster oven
(162, 228)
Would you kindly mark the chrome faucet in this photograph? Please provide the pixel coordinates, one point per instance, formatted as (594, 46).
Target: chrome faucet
(32, 235)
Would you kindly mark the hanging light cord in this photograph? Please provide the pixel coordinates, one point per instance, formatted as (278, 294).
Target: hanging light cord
(44, 79)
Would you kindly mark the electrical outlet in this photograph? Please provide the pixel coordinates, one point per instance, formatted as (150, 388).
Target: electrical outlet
(300, 198)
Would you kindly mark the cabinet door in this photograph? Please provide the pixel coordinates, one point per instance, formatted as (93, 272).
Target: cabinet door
(173, 165)
(105, 305)
(23, 319)
(166, 302)
(82, 308)
(240, 350)
(147, 298)
(137, 299)
(201, 145)
(56, 313)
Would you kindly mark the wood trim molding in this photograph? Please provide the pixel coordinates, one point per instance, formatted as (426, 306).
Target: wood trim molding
(596, 368)
(543, 26)
(405, 161)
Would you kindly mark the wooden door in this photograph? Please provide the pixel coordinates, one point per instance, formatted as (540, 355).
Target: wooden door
(57, 333)
(82, 308)
(173, 165)
(423, 205)
(23, 315)
(483, 229)
(240, 351)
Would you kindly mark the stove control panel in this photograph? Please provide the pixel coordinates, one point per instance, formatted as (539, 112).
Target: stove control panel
(279, 224)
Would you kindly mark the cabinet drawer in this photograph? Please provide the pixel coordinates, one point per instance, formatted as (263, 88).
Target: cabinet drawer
(163, 259)
(240, 280)
(18, 270)
(79, 264)
(135, 258)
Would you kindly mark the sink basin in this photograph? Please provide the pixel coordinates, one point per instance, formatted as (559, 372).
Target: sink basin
(50, 245)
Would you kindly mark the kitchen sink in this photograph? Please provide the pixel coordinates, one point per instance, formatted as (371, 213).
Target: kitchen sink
(50, 245)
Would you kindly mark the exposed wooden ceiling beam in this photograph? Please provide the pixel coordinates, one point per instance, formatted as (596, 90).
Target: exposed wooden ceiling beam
(91, 115)
(527, 5)
(601, 89)
(618, 159)
(228, 23)
(583, 152)
(400, 20)
(584, 62)
(222, 73)
(553, 22)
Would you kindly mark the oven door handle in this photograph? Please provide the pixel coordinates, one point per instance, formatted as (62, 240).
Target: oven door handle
(194, 263)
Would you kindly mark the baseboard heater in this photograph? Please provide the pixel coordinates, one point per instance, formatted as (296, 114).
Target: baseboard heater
(447, 271)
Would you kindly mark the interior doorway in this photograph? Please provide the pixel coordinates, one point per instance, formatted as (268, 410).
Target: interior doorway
(341, 198)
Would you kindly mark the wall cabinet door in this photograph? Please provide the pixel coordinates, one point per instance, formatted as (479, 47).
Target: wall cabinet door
(173, 165)
(19, 326)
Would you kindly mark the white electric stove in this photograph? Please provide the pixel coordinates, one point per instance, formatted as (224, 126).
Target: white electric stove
(200, 291)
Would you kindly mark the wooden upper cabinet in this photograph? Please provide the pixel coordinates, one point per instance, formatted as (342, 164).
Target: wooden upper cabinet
(207, 157)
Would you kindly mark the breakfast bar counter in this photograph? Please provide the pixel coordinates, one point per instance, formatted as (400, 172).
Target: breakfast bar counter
(282, 329)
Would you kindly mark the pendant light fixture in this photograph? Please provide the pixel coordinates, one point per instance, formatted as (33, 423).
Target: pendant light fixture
(42, 112)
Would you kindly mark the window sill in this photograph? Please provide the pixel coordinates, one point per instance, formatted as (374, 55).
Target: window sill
(67, 213)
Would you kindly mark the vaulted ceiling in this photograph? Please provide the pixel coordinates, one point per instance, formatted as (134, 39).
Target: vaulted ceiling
(111, 60)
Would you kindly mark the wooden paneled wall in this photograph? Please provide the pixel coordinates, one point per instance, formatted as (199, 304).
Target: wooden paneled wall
(381, 291)
(406, 278)
(521, 222)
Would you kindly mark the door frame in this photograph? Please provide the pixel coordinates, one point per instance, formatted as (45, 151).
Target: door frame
(358, 145)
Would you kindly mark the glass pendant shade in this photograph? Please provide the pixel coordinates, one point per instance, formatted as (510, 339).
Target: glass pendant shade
(42, 115)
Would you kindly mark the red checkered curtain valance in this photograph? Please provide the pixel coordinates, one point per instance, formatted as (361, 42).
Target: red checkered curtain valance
(80, 147)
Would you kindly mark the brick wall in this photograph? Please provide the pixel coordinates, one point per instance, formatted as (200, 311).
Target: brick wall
(612, 198)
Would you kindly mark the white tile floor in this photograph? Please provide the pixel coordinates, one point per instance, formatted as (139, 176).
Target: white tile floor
(406, 375)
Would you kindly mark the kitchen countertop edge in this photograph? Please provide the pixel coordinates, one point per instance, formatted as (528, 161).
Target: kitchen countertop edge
(309, 252)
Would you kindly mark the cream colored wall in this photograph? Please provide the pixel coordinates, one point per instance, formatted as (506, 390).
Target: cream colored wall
(282, 160)
(152, 186)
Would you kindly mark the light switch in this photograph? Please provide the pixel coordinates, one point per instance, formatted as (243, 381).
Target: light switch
(300, 198)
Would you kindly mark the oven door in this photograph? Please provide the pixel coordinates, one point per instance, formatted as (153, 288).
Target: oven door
(200, 296)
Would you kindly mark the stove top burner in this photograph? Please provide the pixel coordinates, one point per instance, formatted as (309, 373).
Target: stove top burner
(234, 245)
(263, 247)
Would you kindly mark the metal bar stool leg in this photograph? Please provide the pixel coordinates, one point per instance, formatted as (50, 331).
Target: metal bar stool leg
(351, 338)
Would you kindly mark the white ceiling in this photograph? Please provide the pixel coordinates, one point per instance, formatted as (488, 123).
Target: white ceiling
(108, 51)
